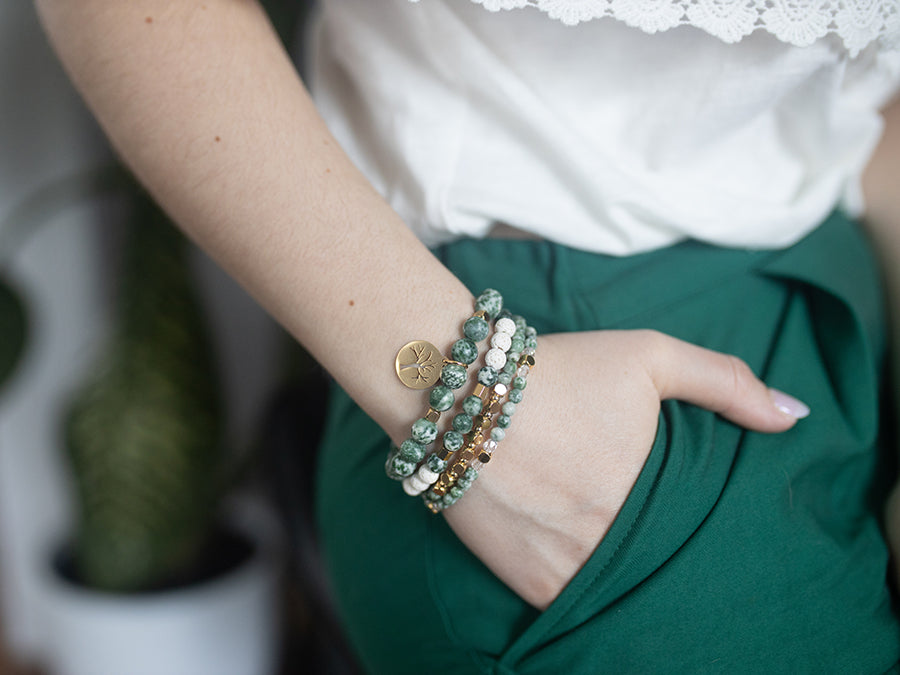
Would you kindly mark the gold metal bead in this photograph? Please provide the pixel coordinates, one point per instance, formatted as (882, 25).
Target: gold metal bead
(484, 458)
(527, 360)
(478, 390)
(458, 363)
(480, 313)
(418, 364)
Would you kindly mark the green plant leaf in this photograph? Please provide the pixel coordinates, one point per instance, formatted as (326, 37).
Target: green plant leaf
(13, 330)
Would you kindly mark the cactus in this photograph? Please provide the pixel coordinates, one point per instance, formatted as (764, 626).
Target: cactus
(143, 436)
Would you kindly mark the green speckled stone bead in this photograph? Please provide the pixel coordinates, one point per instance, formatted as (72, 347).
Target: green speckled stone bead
(471, 474)
(510, 366)
(487, 376)
(441, 398)
(462, 423)
(512, 357)
(412, 451)
(476, 329)
(456, 492)
(505, 378)
(471, 405)
(515, 395)
(453, 375)
(464, 351)
(519, 382)
(401, 468)
(531, 343)
(453, 440)
(498, 434)
(503, 421)
(517, 345)
(504, 314)
(520, 323)
(509, 408)
(490, 301)
(424, 431)
(448, 500)
(530, 332)
(464, 484)
(435, 463)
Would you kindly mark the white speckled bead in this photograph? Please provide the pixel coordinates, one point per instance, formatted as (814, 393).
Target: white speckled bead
(506, 326)
(414, 485)
(501, 389)
(427, 476)
(495, 358)
(501, 341)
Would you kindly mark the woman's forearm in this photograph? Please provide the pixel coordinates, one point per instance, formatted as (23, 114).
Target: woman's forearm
(202, 102)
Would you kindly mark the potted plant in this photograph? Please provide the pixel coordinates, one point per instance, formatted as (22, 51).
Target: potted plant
(153, 580)
(156, 578)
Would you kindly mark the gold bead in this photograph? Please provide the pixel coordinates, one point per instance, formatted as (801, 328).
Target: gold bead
(527, 360)
(432, 415)
(484, 458)
(479, 390)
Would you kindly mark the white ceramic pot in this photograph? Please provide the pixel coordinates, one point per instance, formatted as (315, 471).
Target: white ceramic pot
(224, 626)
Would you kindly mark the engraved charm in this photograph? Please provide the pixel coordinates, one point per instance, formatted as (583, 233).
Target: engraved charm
(418, 364)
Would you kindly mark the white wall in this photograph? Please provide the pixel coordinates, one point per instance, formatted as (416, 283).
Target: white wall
(45, 134)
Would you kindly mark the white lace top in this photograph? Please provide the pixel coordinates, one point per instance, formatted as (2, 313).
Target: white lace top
(797, 22)
(738, 122)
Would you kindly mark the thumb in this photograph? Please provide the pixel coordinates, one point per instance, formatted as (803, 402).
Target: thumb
(722, 383)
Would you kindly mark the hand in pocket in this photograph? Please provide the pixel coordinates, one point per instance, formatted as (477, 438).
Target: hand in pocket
(579, 441)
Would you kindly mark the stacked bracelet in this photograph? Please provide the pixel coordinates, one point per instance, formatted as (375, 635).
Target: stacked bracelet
(455, 481)
(445, 474)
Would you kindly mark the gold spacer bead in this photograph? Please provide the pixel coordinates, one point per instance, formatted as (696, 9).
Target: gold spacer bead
(479, 390)
(480, 313)
(458, 363)
(484, 458)
(527, 360)
(432, 415)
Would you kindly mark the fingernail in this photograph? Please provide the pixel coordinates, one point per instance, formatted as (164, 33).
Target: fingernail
(788, 404)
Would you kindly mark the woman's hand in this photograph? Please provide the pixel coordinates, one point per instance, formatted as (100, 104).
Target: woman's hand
(579, 440)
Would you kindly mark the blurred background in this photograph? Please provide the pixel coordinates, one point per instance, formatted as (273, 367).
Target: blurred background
(149, 416)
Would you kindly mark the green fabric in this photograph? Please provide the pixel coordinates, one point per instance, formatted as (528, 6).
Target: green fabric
(735, 552)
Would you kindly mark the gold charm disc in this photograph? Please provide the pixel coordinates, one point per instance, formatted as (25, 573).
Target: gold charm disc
(418, 364)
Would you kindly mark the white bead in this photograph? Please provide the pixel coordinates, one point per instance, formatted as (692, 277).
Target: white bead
(501, 341)
(495, 358)
(523, 371)
(410, 488)
(427, 476)
(505, 325)
(501, 389)
(490, 445)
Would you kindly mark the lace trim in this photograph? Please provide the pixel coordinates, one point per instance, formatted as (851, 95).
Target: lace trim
(857, 23)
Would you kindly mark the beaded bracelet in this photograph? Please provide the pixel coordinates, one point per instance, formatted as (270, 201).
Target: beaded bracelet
(453, 440)
(463, 469)
(416, 366)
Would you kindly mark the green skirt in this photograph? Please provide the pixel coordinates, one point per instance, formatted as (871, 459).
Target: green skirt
(736, 552)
